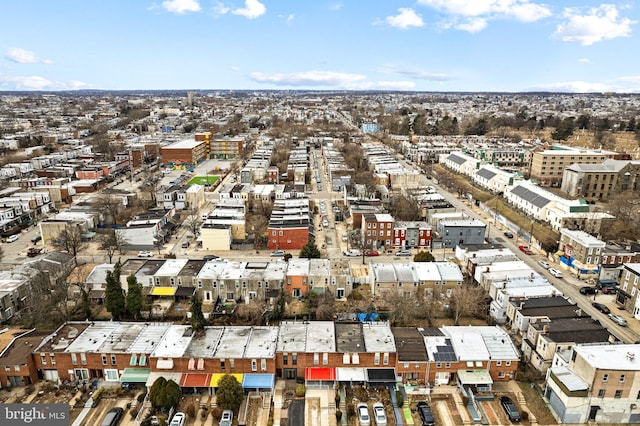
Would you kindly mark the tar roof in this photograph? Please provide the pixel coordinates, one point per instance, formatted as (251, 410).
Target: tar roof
(349, 337)
(378, 337)
(262, 343)
(292, 337)
(204, 345)
(409, 344)
(611, 357)
(174, 343)
(21, 347)
(150, 267)
(192, 267)
(233, 342)
(131, 266)
(321, 336)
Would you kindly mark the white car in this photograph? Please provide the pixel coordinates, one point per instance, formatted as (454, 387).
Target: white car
(178, 419)
(277, 253)
(145, 254)
(379, 414)
(12, 238)
(555, 273)
(403, 253)
(227, 418)
(352, 252)
(544, 264)
(363, 414)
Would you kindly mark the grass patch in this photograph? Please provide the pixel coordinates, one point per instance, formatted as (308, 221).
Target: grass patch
(536, 405)
(203, 180)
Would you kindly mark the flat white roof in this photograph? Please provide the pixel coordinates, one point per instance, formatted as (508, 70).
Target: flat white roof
(298, 267)
(185, 143)
(204, 346)
(148, 338)
(321, 336)
(174, 342)
(262, 343)
(171, 267)
(378, 337)
(468, 343)
(93, 337)
(611, 357)
(233, 342)
(292, 337)
(212, 269)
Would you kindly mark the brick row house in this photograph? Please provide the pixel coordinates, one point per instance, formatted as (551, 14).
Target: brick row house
(320, 352)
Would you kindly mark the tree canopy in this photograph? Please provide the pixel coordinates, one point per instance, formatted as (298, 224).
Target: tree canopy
(424, 256)
(229, 393)
(115, 301)
(164, 394)
(134, 296)
(310, 251)
(198, 320)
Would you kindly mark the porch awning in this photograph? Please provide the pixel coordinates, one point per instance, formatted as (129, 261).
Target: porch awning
(323, 374)
(155, 375)
(164, 364)
(164, 291)
(215, 379)
(194, 380)
(381, 375)
(258, 381)
(351, 374)
(474, 377)
(135, 375)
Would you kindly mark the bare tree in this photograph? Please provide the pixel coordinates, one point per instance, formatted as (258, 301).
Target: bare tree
(111, 242)
(466, 300)
(69, 240)
(251, 313)
(109, 205)
(193, 223)
(403, 309)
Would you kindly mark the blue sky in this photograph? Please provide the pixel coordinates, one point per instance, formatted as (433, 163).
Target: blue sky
(422, 45)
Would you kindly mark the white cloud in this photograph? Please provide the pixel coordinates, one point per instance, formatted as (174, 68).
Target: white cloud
(235, 68)
(332, 79)
(334, 7)
(36, 82)
(584, 60)
(600, 23)
(21, 56)
(474, 15)
(220, 9)
(573, 87)
(181, 6)
(287, 19)
(406, 18)
(417, 74)
(251, 10)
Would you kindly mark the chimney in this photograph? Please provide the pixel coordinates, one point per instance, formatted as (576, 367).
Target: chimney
(545, 329)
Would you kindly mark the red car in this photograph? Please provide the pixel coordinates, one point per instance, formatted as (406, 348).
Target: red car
(373, 253)
(525, 249)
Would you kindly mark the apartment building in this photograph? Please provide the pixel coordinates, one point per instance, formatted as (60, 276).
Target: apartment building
(452, 233)
(579, 252)
(547, 166)
(412, 235)
(290, 224)
(184, 154)
(377, 230)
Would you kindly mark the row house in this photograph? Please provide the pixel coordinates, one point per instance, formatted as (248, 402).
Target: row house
(493, 178)
(596, 383)
(452, 233)
(145, 229)
(614, 255)
(523, 311)
(579, 252)
(628, 294)
(377, 231)
(412, 235)
(414, 279)
(17, 366)
(290, 225)
(461, 163)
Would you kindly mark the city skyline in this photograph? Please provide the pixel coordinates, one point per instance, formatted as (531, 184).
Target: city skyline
(423, 45)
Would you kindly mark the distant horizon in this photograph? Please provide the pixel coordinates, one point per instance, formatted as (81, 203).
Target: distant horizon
(451, 46)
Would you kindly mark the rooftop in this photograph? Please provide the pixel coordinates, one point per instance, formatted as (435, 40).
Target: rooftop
(233, 343)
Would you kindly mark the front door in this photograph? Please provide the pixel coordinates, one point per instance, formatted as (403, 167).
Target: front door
(593, 411)
(290, 373)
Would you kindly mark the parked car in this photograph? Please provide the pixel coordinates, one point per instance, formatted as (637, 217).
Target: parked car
(34, 251)
(113, 416)
(36, 239)
(210, 257)
(178, 419)
(363, 414)
(352, 252)
(186, 244)
(618, 319)
(403, 253)
(344, 237)
(373, 253)
(588, 290)
(555, 273)
(227, 418)
(525, 249)
(379, 414)
(12, 238)
(601, 307)
(145, 254)
(425, 414)
(609, 290)
(544, 264)
(510, 408)
(277, 253)
(508, 234)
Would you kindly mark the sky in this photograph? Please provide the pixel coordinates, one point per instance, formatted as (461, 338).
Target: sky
(398, 45)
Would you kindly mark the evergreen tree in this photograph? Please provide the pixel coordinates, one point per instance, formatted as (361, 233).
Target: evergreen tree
(424, 256)
(310, 251)
(134, 296)
(197, 317)
(229, 393)
(115, 301)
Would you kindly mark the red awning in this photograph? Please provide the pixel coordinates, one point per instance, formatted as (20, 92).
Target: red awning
(190, 380)
(326, 374)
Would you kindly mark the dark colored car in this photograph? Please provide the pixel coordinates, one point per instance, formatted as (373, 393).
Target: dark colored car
(609, 290)
(36, 239)
(425, 414)
(113, 416)
(588, 290)
(508, 234)
(602, 308)
(210, 257)
(510, 408)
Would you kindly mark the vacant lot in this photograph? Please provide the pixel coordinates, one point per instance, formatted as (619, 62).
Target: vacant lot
(204, 180)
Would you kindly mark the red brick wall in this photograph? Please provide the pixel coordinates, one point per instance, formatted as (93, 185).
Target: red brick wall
(291, 238)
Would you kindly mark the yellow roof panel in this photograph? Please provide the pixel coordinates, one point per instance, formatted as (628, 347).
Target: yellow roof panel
(215, 379)
(164, 291)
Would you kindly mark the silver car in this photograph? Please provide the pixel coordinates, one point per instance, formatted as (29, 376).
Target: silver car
(363, 414)
(618, 320)
(379, 414)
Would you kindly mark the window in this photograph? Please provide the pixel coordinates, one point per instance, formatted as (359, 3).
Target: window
(438, 365)
(447, 365)
(285, 359)
(294, 359)
(254, 365)
(104, 360)
(142, 360)
(507, 363)
(83, 358)
(222, 364)
(325, 358)
(232, 364)
(622, 377)
(316, 358)
(133, 360)
(376, 358)
(501, 374)
(605, 378)
(74, 359)
(498, 363)
(263, 364)
(618, 393)
(345, 359)
(113, 360)
(355, 359)
(7, 368)
(385, 358)
(111, 375)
